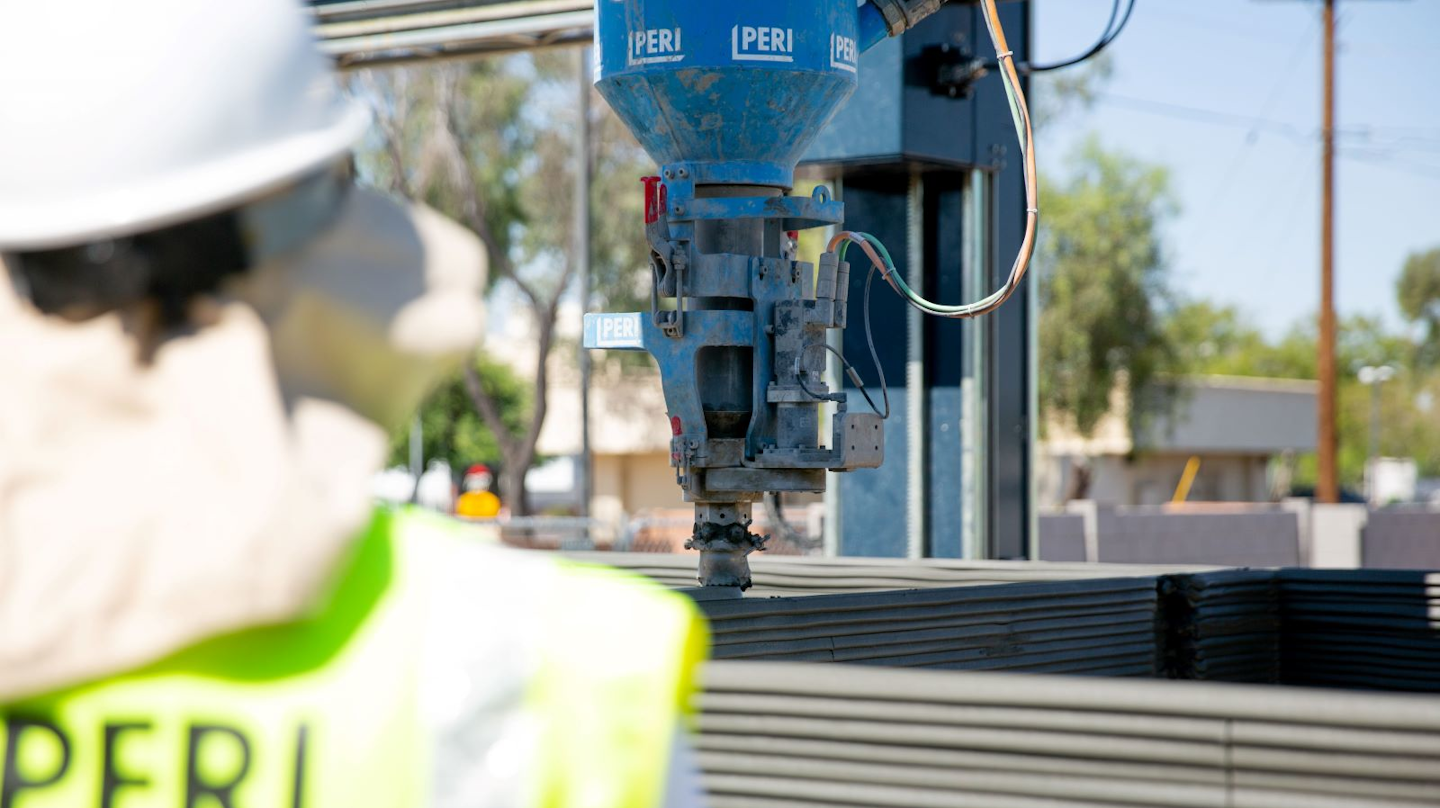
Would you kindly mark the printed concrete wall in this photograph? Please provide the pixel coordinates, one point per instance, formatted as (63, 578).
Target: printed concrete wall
(1062, 537)
(1402, 539)
(798, 735)
(1263, 539)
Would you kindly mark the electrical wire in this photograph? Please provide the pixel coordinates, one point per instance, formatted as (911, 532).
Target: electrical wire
(849, 370)
(881, 261)
(875, 356)
(1025, 134)
(800, 376)
(1111, 32)
(1020, 113)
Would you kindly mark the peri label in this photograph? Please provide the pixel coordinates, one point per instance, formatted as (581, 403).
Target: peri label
(655, 46)
(751, 43)
(614, 331)
(843, 52)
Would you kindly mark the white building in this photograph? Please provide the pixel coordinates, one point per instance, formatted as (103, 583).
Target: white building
(1241, 429)
(629, 429)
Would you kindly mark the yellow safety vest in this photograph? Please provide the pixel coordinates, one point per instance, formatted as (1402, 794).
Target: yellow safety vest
(323, 711)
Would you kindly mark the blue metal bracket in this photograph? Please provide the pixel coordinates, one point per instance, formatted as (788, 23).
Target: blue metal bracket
(795, 212)
(634, 331)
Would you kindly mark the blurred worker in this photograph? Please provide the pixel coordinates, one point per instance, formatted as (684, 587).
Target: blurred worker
(196, 298)
(477, 501)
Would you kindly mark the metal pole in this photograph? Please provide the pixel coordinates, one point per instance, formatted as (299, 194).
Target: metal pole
(582, 258)
(834, 526)
(1374, 421)
(917, 430)
(1328, 488)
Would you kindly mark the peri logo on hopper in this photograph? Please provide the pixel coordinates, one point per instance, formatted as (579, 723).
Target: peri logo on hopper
(655, 45)
(750, 43)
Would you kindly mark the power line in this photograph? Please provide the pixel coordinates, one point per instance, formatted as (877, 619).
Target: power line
(1297, 173)
(1210, 116)
(1106, 37)
(1297, 202)
(1282, 77)
(1396, 143)
(1398, 129)
(1412, 168)
(1280, 128)
(1166, 11)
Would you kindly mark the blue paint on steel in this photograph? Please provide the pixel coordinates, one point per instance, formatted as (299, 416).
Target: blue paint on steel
(872, 501)
(798, 212)
(945, 452)
(872, 27)
(635, 331)
(676, 358)
(730, 93)
(737, 88)
(767, 288)
(874, 131)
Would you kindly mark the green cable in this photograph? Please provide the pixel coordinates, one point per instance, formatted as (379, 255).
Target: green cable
(891, 272)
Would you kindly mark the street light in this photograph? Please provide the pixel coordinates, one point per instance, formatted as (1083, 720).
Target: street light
(1373, 376)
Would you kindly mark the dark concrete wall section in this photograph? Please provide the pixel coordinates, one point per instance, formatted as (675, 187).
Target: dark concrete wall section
(1103, 627)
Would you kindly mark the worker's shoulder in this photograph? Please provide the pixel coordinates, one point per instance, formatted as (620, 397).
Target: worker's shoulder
(453, 554)
(603, 580)
(438, 546)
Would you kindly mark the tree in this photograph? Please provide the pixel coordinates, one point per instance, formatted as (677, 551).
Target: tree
(1418, 291)
(1212, 338)
(1218, 340)
(491, 144)
(451, 428)
(1103, 289)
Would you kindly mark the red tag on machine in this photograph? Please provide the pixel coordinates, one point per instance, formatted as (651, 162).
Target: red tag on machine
(655, 199)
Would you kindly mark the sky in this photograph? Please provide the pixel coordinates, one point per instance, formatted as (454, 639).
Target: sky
(1227, 94)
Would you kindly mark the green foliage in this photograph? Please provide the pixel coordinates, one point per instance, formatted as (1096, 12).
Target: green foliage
(1219, 340)
(1103, 289)
(1418, 292)
(1409, 420)
(620, 258)
(514, 120)
(454, 432)
(492, 144)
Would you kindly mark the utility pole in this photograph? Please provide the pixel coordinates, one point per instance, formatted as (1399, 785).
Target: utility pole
(1328, 488)
(582, 257)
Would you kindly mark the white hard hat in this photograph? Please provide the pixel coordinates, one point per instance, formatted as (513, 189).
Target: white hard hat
(123, 117)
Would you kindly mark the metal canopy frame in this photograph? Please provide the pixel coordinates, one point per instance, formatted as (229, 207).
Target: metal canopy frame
(366, 33)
